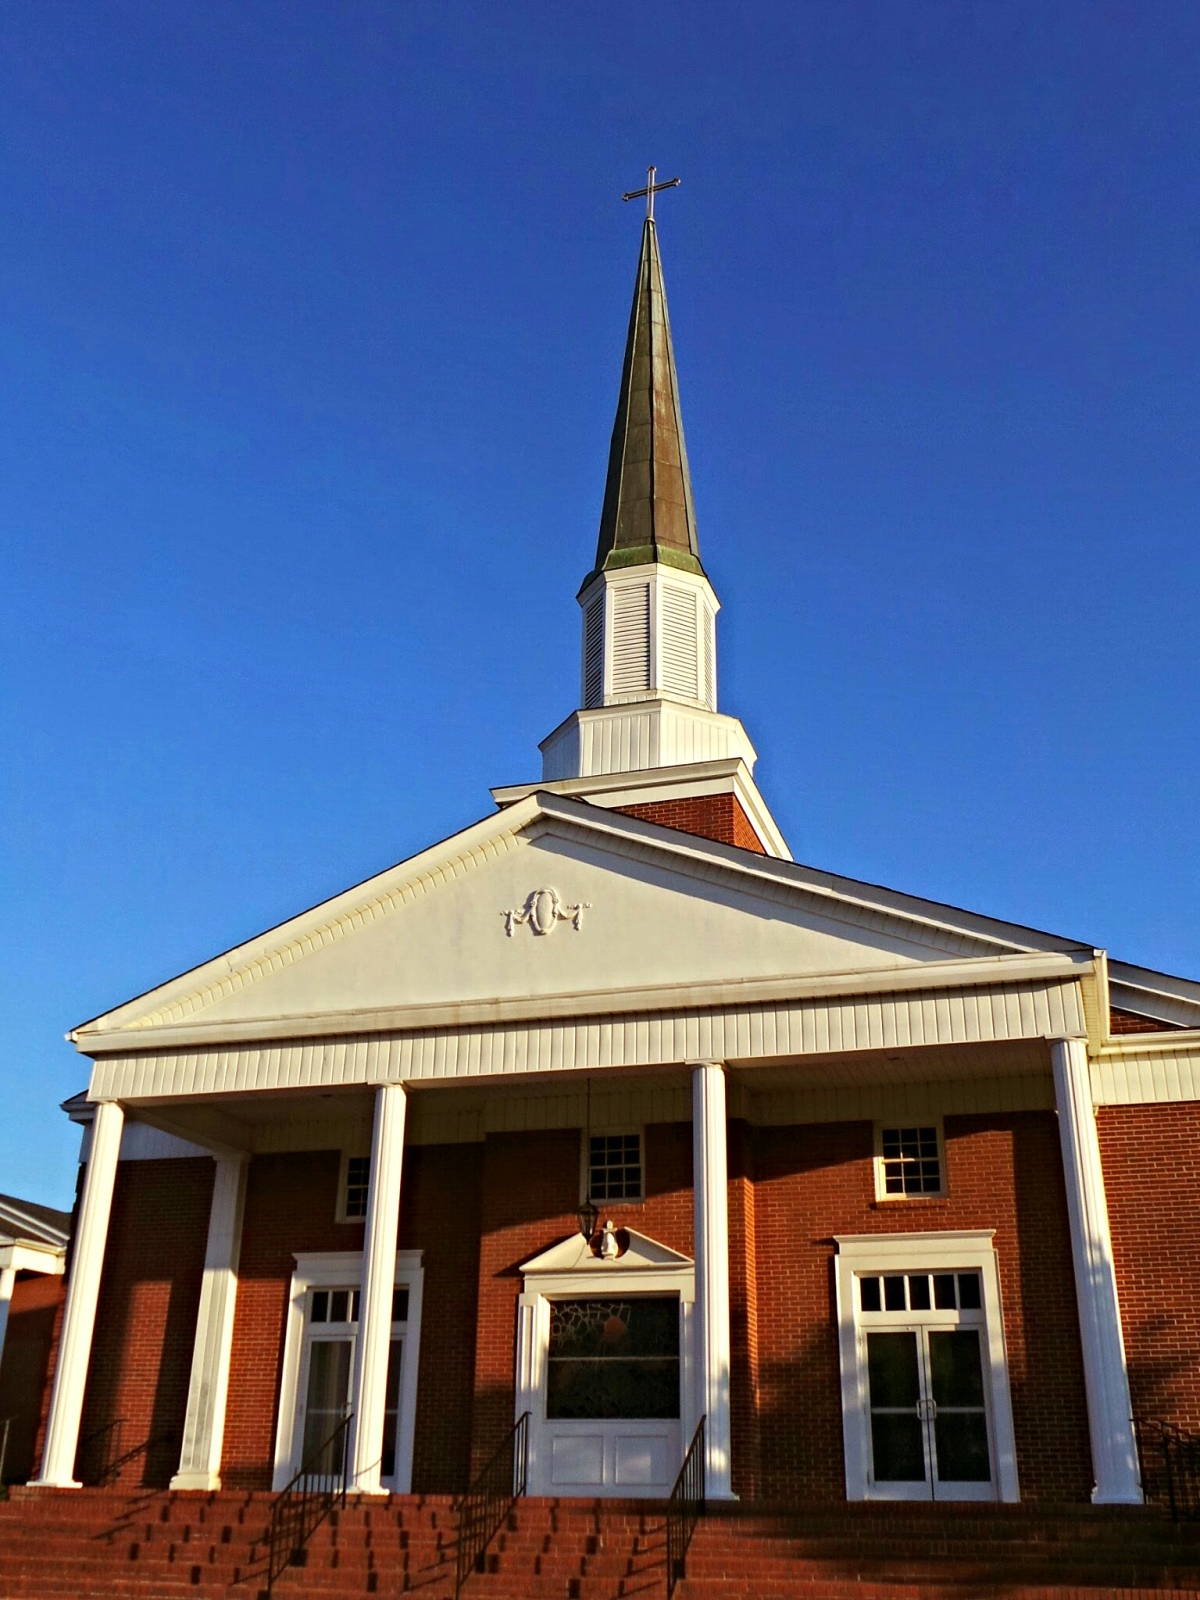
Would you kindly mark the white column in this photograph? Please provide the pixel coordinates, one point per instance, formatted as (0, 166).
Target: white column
(378, 1281)
(710, 1191)
(204, 1420)
(83, 1291)
(8, 1279)
(1110, 1413)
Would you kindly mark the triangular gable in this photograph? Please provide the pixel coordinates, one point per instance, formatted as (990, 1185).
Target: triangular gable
(549, 899)
(576, 1255)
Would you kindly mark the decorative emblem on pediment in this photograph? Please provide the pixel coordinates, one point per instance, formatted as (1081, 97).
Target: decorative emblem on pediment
(543, 911)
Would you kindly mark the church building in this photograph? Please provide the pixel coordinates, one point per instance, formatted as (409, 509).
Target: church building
(606, 1112)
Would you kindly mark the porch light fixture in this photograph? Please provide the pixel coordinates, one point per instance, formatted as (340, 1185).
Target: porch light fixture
(589, 1217)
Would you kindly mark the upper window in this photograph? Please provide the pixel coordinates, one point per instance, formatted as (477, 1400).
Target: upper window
(354, 1188)
(615, 1166)
(909, 1161)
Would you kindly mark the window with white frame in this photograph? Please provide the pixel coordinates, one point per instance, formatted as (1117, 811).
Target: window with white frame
(925, 1402)
(614, 1166)
(354, 1188)
(910, 1160)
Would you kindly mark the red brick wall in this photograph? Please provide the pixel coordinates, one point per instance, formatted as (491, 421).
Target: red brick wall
(290, 1205)
(33, 1314)
(711, 816)
(439, 1214)
(1004, 1172)
(529, 1196)
(1130, 1022)
(146, 1317)
(1151, 1158)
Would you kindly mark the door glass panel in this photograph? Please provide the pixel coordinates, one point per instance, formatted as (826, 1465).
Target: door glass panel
(960, 1422)
(391, 1409)
(613, 1358)
(897, 1435)
(328, 1391)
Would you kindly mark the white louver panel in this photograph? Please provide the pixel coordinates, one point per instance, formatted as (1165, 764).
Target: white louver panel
(593, 653)
(710, 660)
(678, 655)
(631, 640)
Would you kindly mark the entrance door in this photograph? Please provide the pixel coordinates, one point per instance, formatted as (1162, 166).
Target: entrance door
(611, 1397)
(326, 1375)
(929, 1432)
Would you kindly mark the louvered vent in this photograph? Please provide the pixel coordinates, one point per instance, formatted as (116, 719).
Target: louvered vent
(631, 639)
(679, 642)
(593, 653)
(710, 663)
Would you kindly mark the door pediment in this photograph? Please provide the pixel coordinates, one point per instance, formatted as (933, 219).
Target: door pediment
(575, 1255)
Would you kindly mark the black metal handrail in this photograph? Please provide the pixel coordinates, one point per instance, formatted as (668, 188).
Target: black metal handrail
(685, 1508)
(301, 1507)
(6, 1424)
(1170, 1462)
(103, 1442)
(490, 1498)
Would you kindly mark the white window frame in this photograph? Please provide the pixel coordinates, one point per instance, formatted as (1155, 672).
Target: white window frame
(970, 1250)
(340, 1214)
(332, 1269)
(881, 1193)
(585, 1164)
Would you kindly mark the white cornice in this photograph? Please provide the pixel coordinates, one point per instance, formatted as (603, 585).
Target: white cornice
(978, 972)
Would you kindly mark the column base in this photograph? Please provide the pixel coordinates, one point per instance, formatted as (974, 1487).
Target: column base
(53, 1483)
(1133, 1497)
(196, 1480)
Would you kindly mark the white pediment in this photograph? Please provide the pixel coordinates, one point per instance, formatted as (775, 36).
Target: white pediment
(575, 1255)
(549, 900)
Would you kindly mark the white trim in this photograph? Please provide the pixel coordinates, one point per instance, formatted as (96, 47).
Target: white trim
(208, 1385)
(83, 1292)
(881, 1193)
(1106, 1379)
(957, 1250)
(332, 1268)
(24, 1256)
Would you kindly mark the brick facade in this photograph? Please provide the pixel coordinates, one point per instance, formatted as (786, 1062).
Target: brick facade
(530, 1194)
(146, 1320)
(1151, 1159)
(32, 1320)
(477, 1211)
(710, 816)
(1003, 1172)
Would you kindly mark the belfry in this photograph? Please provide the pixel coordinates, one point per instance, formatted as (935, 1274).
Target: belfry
(604, 1149)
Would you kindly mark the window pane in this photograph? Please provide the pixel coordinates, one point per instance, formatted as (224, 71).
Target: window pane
(943, 1291)
(956, 1369)
(339, 1305)
(869, 1296)
(320, 1306)
(897, 1449)
(911, 1164)
(962, 1448)
(893, 1294)
(613, 1358)
(918, 1293)
(615, 1166)
(968, 1291)
(391, 1406)
(328, 1390)
(358, 1179)
(892, 1371)
(399, 1305)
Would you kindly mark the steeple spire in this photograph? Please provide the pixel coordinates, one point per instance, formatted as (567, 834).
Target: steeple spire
(648, 514)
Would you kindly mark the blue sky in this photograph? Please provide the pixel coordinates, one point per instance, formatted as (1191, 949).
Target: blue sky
(310, 323)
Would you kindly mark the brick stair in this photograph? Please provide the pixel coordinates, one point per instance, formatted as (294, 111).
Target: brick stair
(109, 1545)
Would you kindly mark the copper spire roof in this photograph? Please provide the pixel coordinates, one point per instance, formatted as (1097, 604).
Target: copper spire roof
(648, 512)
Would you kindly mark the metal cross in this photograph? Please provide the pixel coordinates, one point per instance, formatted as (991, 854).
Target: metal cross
(651, 190)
